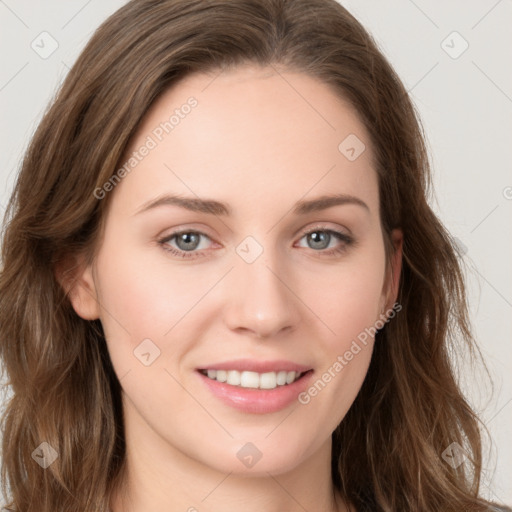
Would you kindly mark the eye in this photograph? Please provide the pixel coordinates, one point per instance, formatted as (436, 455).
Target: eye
(321, 239)
(187, 242)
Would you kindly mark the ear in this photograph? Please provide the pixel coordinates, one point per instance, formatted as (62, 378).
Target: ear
(76, 278)
(392, 281)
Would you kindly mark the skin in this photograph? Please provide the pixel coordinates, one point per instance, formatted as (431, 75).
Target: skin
(259, 145)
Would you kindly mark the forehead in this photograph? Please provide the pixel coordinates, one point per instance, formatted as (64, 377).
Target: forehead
(250, 132)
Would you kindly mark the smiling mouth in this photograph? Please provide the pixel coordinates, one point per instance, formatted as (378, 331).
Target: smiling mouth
(254, 380)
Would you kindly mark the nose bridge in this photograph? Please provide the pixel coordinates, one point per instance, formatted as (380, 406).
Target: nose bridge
(260, 299)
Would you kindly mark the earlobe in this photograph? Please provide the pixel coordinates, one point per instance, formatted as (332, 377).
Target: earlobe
(76, 279)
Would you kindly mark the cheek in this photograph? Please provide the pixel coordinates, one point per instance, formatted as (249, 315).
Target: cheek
(350, 309)
(347, 298)
(146, 298)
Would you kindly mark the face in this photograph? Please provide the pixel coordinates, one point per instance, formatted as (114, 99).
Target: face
(244, 243)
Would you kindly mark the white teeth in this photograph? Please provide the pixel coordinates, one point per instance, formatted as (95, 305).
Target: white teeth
(281, 378)
(246, 379)
(249, 380)
(233, 378)
(268, 380)
(290, 377)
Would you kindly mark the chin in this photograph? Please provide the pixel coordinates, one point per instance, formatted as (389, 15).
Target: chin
(258, 458)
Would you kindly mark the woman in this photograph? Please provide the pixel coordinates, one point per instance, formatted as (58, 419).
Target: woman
(223, 285)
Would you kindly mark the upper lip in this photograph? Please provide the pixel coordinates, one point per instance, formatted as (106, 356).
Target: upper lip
(252, 365)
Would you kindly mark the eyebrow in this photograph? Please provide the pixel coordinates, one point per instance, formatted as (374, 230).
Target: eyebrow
(213, 207)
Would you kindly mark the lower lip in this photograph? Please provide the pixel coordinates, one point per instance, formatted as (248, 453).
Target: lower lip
(258, 401)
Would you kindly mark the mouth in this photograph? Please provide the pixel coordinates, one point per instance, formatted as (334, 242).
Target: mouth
(255, 386)
(254, 380)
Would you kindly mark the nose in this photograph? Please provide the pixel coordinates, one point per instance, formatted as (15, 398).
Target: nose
(261, 299)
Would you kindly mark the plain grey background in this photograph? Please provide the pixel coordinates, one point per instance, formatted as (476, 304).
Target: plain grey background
(454, 57)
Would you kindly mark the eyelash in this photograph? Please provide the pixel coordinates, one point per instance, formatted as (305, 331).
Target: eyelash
(346, 239)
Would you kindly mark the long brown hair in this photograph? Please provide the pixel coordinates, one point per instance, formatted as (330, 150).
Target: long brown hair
(387, 451)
